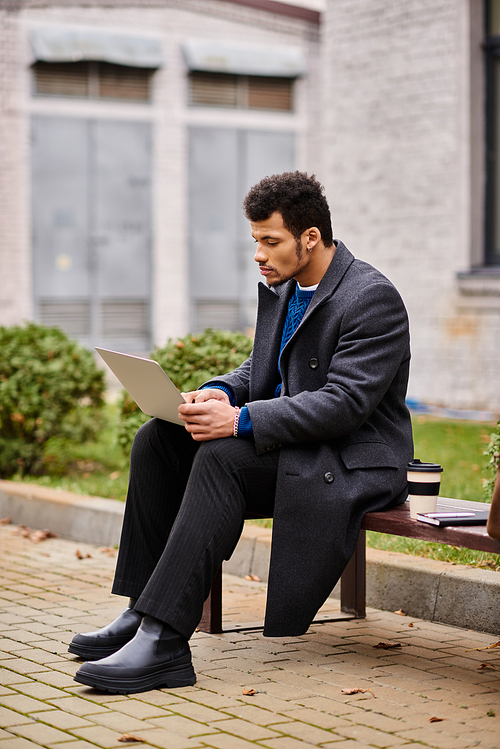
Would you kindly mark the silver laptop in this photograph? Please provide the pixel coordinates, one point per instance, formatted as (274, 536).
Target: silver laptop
(148, 384)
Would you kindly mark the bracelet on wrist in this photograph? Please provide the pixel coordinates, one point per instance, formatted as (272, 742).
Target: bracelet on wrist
(236, 421)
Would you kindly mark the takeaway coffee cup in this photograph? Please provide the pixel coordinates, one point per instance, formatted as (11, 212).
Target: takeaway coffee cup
(424, 480)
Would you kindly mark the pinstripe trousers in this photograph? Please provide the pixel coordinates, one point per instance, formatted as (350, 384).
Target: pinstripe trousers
(184, 515)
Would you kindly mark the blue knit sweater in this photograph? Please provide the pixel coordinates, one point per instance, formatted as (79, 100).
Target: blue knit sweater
(297, 306)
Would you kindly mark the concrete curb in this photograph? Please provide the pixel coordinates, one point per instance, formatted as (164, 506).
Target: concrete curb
(92, 520)
(424, 588)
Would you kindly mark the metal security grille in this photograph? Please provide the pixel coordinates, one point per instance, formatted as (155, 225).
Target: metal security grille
(242, 91)
(223, 164)
(122, 82)
(219, 315)
(61, 79)
(270, 93)
(91, 209)
(127, 318)
(70, 315)
(96, 80)
(119, 319)
(213, 89)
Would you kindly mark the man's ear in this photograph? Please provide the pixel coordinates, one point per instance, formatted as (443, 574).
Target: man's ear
(312, 237)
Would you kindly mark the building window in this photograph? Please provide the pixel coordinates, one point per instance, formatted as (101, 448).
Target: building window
(240, 91)
(94, 80)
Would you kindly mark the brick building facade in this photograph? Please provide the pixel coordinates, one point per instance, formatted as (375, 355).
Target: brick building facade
(405, 171)
(60, 187)
(389, 111)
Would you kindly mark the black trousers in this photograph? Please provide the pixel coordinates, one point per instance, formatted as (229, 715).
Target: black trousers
(184, 515)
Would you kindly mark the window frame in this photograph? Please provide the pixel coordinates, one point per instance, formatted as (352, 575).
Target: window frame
(491, 47)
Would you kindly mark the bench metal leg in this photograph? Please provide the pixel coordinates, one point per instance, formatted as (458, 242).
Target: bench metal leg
(353, 582)
(352, 596)
(211, 618)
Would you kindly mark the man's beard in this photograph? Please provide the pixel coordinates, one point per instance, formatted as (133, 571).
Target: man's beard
(279, 282)
(283, 279)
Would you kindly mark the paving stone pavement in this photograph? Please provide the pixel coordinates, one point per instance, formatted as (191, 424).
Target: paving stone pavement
(430, 689)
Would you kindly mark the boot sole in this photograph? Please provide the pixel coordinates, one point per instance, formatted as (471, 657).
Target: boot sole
(167, 678)
(89, 653)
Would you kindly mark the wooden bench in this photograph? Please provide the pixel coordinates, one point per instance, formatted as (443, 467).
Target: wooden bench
(353, 581)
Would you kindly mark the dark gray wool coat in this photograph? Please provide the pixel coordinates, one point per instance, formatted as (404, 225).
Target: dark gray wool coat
(341, 426)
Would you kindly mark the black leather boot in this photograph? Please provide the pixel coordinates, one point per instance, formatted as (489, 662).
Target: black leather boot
(92, 646)
(158, 656)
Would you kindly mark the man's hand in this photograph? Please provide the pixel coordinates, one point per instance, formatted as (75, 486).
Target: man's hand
(207, 420)
(200, 396)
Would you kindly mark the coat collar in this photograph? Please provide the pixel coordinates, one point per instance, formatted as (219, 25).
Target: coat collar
(273, 307)
(335, 272)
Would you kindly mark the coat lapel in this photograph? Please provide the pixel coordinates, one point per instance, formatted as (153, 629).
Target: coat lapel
(273, 305)
(336, 271)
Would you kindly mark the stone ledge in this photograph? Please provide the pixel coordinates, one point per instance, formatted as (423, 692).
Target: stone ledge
(92, 520)
(425, 588)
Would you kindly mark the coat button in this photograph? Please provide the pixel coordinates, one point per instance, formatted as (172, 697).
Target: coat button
(328, 477)
(313, 363)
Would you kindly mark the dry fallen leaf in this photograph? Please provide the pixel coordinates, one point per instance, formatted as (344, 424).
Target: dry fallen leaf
(254, 578)
(410, 624)
(114, 475)
(435, 720)
(4, 521)
(38, 536)
(35, 536)
(108, 550)
(401, 613)
(249, 691)
(79, 555)
(387, 645)
(488, 647)
(489, 666)
(356, 690)
(129, 737)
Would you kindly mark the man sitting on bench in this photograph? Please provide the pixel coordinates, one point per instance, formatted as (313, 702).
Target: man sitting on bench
(312, 429)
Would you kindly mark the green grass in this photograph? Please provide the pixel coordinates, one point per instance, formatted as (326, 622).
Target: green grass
(459, 447)
(95, 468)
(100, 469)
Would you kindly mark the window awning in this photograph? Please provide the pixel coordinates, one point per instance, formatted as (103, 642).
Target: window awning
(241, 59)
(59, 44)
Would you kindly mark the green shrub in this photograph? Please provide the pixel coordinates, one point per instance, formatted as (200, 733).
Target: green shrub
(189, 362)
(131, 418)
(51, 393)
(492, 451)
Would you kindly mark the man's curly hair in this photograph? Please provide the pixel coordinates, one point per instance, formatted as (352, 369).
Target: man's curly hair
(298, 197)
